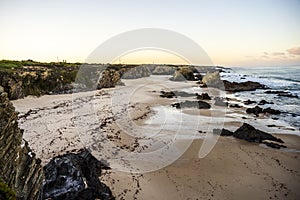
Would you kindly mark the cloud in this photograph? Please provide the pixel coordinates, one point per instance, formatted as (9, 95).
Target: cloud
(294, 51)
(278, 53)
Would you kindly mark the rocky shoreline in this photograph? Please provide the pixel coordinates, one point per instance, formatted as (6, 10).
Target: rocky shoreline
(85, 169)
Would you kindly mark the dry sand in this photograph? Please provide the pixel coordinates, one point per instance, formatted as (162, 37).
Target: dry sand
(234, 169)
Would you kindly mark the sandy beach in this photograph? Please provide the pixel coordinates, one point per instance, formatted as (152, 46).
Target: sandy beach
(136, 120)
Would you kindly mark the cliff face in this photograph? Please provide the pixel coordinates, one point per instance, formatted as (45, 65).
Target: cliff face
(20, 170)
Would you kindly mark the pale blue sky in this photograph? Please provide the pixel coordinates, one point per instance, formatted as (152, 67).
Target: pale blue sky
(232, 32)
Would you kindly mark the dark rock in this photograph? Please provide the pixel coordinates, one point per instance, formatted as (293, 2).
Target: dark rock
(75, 176)
(222, 132)
(271, 111)
(250, 134)
(274, 145)
(256, 110)
(243, 86)
(281, 93)
(167, 94)
(20, 170)
(263, 102)
(220, 102)
(235, 106)
(203, 96)
(172, 94)
(248, 102)
(191, 104)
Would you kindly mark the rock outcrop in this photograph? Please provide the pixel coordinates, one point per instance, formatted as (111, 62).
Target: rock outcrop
(251, 134)
(136, 72)
(257, 110)
(163, 70)
(75, 176)
(242, 86)
(185, 74)
(192, 104)
(203, 96)
(109, 78)
(19, 168)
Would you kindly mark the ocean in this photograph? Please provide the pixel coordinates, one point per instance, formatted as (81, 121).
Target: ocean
(277, 79)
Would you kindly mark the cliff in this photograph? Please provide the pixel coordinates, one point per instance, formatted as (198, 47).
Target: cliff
(20, 170)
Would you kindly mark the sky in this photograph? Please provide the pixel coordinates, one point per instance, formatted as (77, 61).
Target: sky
(231, 32)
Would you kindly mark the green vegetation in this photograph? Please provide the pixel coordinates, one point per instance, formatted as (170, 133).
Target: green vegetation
(6, 193)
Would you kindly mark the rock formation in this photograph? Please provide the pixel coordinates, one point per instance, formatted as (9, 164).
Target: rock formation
(163, 70)
(184, 74)
(251, 134)
(20, 170)
(192, 104)
(75, 176)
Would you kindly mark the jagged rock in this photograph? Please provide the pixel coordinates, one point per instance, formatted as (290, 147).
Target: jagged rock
(222, 132)
(184, 74)
(191, 104)
(167, 94)
(248, 102)
(271, 111)
(172, 94)
(75, 176)
(19, 168)
(263, 102)
(256, 110)
(212, 79)
(274, 145)
(163, 70)
(137, 72)
(220, 101)
(243, 86)
(109, 78)
(281, 93)
(235, 106)
(250, 134)
(203, 96)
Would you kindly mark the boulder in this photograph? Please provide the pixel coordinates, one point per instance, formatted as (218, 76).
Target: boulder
(192, 104)
(184, 74)
(271, 111)
(75, 176)
(220, 101)
(263, 102)
(243, 86)
(256, 110)
(250, 134)
(222, 132)
(167, 94)
(212, 79)
(248, 102)
(203, 96)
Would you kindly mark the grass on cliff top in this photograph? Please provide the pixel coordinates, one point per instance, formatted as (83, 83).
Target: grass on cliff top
(6, 193)
(11, 65)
